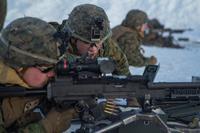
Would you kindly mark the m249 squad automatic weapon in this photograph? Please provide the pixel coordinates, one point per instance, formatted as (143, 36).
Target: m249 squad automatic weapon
(83, 81)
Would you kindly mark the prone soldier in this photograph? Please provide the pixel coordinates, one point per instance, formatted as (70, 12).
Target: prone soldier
(28, 52)
(155, 35)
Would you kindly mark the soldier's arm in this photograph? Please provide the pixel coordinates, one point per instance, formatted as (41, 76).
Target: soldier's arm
(111, 49)
(130, 45)
(32, 128)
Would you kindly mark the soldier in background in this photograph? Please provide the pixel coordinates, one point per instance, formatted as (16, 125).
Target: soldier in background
(155, 35)
(88, 29)
(3, 8)
(154, 38)
(129, 36)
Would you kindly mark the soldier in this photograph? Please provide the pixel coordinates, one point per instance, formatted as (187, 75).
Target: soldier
(28, 50)
(155, 35)
(154, 38)
(90, 34)
(129, 36)
(3, 7)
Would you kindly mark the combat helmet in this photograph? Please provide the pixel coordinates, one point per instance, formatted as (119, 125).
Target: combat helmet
(3, 6)
(155, 24)
(135, 18)
(28, 42)
(88, 23)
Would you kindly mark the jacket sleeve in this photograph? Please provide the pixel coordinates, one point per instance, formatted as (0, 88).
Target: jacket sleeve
(32, 128)
(130, 45)
(111, 49)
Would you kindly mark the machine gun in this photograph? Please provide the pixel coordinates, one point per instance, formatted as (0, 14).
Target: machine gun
(170, 31)
(91, 79)
(163, 37)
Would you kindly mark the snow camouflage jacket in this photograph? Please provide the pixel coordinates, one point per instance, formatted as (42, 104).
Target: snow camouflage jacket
(129, 41)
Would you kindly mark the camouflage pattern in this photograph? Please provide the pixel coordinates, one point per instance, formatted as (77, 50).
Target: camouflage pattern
(135, 18)
(110, 49)
(81, 21)
(30, 128)
(83, 18)
(3, 8)
(58, 121)
(129, 41)
(33, 36)
(13, 112)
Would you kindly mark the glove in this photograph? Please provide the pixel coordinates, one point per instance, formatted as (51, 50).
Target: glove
(152, 60)
(57, 122)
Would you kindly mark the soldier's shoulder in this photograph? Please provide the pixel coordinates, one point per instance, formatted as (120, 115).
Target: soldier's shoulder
(119, 31)
(111, 47)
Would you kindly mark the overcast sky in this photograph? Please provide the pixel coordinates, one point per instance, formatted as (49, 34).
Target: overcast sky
(172, 13)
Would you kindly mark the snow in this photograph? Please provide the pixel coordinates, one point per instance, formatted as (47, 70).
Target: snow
(172, 13)
(176, 65)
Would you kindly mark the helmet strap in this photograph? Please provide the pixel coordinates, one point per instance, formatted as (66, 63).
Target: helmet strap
(73, 48)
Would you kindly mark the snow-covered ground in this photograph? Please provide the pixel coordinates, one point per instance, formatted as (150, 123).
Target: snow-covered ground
(175, 64)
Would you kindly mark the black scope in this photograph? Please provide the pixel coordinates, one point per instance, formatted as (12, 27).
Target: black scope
(101, 65)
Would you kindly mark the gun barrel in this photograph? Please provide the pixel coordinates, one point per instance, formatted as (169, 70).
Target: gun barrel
(174, 85)
(9, 91)
(169, 30)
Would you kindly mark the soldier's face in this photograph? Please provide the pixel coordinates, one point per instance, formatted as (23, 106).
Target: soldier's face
(144, 27)
(91, 49)
(35, 77)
